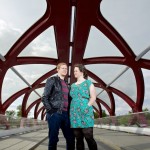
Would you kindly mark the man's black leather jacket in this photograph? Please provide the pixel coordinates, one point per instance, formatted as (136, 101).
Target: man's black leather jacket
(53, 97)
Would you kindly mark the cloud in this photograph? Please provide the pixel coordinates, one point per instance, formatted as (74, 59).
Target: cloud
(8, 36)
(122, 107)
(133, 24)
(146, 74)
(43, 45)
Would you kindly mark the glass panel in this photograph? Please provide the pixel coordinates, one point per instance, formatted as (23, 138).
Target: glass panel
(122, 107)
(40, 91)
(41, 105)
(15, 18)
(134, 120)
(98, 90)
(44, 118)
(39, 116)
(127, 84)
(33, 97)
(104, 97)
(47, 78)
(44, 81)
(89, 78)
(11, 84)
(106, 111)
(95, 105)
(32, 72)
(16, 103)
(9, 33)
(146, 74)
(106, 72)
(44, 45)
(31, 113)
(99, 45)
(131, 20)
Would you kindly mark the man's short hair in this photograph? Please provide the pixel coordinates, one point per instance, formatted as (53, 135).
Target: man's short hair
(60, 64)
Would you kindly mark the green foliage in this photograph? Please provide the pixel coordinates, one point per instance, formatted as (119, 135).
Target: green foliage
(10, 114)
(19, 112)
(145, 109)
(96, 115)
(130, 112)
(104, 113)
(123, 120)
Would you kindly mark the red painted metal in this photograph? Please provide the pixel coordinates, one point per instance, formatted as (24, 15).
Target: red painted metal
(58, 15)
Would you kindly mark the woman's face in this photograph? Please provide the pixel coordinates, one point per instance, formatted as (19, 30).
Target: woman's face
(77, 73)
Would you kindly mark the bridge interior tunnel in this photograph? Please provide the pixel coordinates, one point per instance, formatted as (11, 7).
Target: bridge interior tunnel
(110, 41)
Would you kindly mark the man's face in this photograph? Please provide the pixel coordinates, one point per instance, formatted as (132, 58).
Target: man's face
(62, 70)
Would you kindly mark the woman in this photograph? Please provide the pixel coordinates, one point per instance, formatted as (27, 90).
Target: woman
(81, 111)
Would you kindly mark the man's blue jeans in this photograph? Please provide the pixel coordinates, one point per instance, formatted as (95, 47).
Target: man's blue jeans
(55, 122)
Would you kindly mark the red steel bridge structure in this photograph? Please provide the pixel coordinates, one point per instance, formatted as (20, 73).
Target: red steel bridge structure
(59, 15)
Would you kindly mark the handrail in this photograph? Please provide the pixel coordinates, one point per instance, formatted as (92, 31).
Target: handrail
(138, 123)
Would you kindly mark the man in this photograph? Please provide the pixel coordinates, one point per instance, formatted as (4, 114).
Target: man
(56, 101)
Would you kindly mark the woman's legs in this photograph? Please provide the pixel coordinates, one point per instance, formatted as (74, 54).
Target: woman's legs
(79, 138)
(88, 134)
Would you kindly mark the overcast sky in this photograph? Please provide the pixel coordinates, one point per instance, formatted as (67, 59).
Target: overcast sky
(129, 18)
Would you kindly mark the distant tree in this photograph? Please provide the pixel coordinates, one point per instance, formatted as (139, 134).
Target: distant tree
(19, 110)
(96, 115)
(10, 113)
(130, 112)
(145, 109)
(104, 113)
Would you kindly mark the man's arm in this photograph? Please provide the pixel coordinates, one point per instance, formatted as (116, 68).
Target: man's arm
(47, 92)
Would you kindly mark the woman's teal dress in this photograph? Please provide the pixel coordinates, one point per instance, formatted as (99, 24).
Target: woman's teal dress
(81, 115)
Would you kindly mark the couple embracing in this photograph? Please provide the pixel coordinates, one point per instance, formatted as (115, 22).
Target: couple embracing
(70, 109)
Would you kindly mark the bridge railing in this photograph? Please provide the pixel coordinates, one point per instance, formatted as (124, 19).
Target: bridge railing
(14, 125)
(135, 123)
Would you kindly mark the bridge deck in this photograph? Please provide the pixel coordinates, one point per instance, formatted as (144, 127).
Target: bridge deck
(106, 140)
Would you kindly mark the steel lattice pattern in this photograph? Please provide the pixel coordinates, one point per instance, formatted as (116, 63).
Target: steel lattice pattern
(58, 15)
